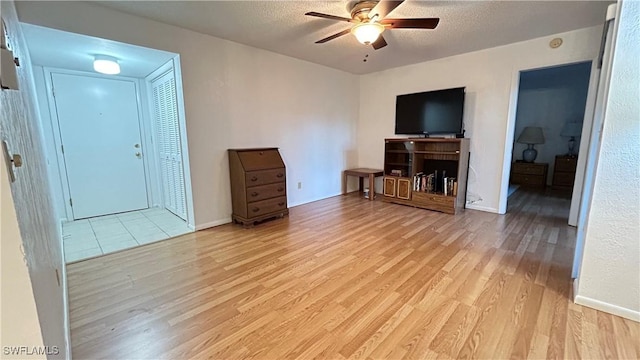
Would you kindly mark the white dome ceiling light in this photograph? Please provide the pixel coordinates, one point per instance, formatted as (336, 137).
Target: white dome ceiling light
(106, 65)
(367, 33)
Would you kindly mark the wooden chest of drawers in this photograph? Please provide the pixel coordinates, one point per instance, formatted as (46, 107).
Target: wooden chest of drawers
(564, 171)
(258, 185)
(529, 174)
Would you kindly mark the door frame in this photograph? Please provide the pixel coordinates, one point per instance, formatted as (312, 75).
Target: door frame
(172, 65)
(57, 136)
(586, 129)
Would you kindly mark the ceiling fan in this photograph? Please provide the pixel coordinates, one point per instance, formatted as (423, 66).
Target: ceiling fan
(369, 17)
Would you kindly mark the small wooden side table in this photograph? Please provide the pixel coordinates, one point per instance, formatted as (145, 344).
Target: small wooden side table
(362, 173)
(529, 174)
(564, 171)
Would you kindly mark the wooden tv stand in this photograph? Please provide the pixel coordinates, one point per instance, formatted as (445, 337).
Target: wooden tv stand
(410, 163)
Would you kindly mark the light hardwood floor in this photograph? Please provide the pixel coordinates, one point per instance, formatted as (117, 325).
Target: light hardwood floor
(349, 278)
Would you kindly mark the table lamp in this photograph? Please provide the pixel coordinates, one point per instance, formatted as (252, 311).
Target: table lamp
(571, 130)
(531, 135)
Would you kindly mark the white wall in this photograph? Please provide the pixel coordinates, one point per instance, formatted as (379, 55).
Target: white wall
(609, 277)
(39, 229)
(237, 96)
(488, 76)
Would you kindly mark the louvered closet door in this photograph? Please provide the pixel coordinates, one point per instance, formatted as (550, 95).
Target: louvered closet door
(168, 143)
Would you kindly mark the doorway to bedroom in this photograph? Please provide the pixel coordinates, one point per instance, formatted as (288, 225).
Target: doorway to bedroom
(550, 111)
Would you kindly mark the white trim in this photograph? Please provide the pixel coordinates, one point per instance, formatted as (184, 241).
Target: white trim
(608, 308)
(57, 142)
(65, 297)
(508, 143)
(592, 154)
(482, 208)
(182, 120)
(57, 137)
(290, 205)
(587, 122)
(212, 224)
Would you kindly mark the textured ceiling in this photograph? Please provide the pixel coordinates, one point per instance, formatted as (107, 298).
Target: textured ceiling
(65, 50)
(282, 27)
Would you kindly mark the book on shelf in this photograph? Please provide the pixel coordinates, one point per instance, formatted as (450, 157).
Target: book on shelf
(423, 182)
(430, 183)
(417, 181)
(450, 186)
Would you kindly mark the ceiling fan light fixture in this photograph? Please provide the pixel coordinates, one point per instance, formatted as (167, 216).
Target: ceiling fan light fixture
(106, 65)
(367, 33)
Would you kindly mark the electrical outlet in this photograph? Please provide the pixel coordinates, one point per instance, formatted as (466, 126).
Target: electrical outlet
(299, 185)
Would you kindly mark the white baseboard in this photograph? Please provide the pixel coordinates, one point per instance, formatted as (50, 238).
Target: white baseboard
(228, 220)
(65, 295)
(313, 200)
(212, 224)
(483, 208)
(608, 308)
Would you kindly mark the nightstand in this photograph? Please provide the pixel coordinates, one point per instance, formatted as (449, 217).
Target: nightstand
(564, 171)
(529, 174)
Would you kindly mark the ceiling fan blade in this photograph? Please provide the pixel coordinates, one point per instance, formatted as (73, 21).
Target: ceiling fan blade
(383, 8)
(380, 43)
(427, 23)
(330, 17)
(344, 32)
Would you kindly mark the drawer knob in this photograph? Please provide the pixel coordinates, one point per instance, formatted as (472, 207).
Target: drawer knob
(261, 153)
(432, 198)
(281, 203)
(254, 194)
(280, 175)
(255, 178)
(256, 209)
(280, 189)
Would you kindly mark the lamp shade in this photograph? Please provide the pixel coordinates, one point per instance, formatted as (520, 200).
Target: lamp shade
(367, 33)
(531, 135)
(571, 129)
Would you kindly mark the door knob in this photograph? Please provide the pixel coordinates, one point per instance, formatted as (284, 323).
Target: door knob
(137, 146)
(139, 155)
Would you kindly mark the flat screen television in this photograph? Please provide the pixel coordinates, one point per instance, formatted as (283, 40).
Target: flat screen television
(430, 113)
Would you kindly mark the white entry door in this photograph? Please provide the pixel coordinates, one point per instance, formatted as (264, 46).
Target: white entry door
(100, 132)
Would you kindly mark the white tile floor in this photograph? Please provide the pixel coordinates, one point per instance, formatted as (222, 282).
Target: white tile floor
(101, 235)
